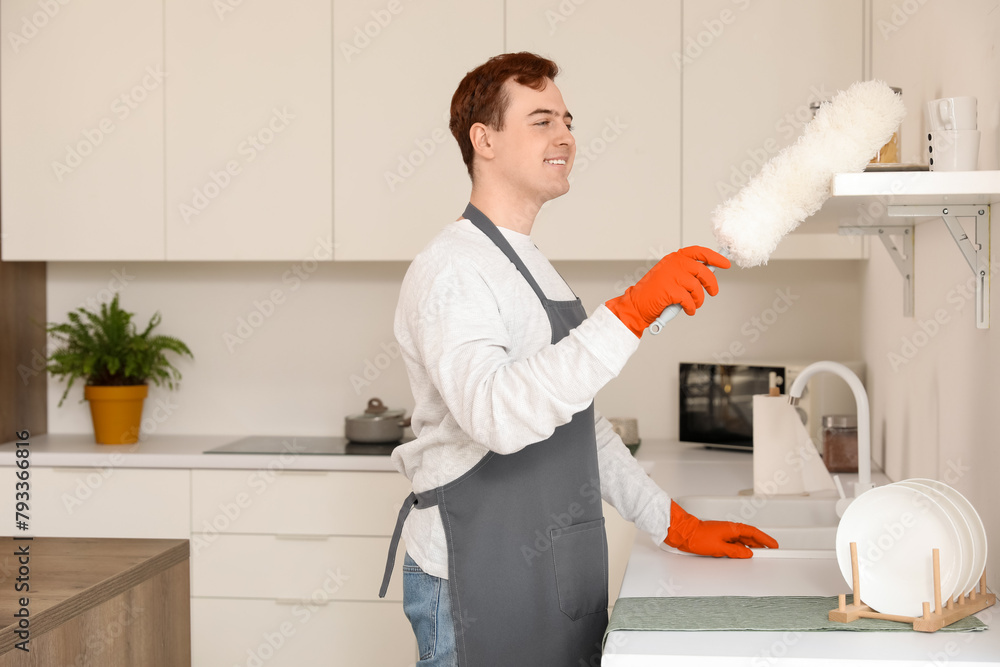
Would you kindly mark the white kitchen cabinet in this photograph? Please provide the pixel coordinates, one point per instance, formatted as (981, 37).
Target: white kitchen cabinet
(81, 130)
(619, 80)
(398, 176)
(106, 502)
(248, 130)
(751, 70)
(255, 566)
(296, 502)
(264, 540)
(621, 536)
(294, 633)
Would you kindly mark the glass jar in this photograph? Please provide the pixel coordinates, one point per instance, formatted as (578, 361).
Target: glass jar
(889, 154)
(840, 443)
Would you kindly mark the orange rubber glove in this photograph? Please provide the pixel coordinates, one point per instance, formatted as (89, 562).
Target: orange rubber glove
(714, 538)
(681, 277)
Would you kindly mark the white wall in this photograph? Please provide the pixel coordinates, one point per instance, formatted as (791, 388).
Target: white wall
(936, 409)
(293, 373)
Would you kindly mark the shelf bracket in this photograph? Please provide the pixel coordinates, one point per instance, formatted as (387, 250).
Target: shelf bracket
(976, 253)
(902, 256)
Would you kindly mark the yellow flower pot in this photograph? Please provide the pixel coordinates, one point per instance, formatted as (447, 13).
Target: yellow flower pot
(117, 412)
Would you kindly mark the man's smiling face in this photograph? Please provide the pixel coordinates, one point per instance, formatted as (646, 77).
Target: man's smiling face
(535, 150)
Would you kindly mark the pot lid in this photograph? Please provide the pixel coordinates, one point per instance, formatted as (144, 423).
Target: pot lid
(377, 410)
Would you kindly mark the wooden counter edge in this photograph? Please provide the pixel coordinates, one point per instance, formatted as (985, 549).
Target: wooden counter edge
(99, 593)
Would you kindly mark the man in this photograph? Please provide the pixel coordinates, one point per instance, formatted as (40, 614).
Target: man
(506, 559)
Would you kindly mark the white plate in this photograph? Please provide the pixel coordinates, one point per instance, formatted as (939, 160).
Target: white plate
(896, 528)
(975, 525)
(961, 525)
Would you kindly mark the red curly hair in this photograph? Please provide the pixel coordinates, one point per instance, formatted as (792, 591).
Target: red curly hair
(481, 97)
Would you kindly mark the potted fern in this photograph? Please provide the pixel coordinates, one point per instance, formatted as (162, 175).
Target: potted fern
(116, 363)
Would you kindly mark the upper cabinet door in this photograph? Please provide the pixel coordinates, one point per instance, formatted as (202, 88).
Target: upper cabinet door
(751, 70)
(398, 173)
(81, 127)
(620, 80)
(248, 124)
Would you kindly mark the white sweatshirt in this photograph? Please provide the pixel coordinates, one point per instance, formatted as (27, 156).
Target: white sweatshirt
(485, 376)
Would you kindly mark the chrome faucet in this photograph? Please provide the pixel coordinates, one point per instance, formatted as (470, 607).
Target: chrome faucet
(864, 482)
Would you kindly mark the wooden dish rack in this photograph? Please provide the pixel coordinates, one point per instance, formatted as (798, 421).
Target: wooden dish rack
(931, 621)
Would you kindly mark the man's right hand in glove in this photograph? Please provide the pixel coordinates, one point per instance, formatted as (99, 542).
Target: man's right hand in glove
(681, 277)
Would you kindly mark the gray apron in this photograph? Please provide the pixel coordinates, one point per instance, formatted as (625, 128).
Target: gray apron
(527, 552)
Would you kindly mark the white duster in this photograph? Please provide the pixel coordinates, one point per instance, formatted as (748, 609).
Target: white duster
(843, 137)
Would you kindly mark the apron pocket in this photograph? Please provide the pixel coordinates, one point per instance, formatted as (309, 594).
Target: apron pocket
(580, 556)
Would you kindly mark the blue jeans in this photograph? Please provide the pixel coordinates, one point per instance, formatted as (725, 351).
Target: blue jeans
(427, 604)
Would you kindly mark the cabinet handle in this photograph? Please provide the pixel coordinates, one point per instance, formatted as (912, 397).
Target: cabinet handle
(302, 473)
(299, 601)
(315, 538)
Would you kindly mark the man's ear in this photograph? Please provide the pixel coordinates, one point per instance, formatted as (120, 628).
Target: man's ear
(482, 141)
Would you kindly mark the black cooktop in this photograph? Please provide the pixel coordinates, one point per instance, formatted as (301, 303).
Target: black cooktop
(309, 445)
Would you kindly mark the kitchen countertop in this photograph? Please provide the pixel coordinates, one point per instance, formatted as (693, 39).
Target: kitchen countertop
(79, 588)
(77, 450)
(655, 573)
(681, 469)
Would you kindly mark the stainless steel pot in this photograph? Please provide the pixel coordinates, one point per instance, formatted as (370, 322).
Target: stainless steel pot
(377, 424)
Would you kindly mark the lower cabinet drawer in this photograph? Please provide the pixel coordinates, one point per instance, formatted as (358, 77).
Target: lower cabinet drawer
(296, 502)
(247, 633)
(302, 567)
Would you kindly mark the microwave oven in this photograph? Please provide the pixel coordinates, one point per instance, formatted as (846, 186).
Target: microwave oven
(716, 400)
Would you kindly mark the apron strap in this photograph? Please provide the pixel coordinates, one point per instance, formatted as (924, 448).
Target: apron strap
(486, 226)
(428, 499)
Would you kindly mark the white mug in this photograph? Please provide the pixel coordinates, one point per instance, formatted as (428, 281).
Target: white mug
(953, 150)
(952, 113)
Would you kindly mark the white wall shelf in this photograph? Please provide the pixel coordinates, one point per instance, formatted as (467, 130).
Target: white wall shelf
(921, 187)
(924, 194)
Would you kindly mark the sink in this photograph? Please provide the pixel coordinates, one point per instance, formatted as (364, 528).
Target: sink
(805, 526)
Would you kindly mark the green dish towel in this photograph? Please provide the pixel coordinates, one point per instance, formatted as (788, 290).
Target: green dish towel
(731, 612)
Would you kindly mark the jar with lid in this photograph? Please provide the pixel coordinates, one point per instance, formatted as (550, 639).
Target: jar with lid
(840, 443)
(889, 154)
